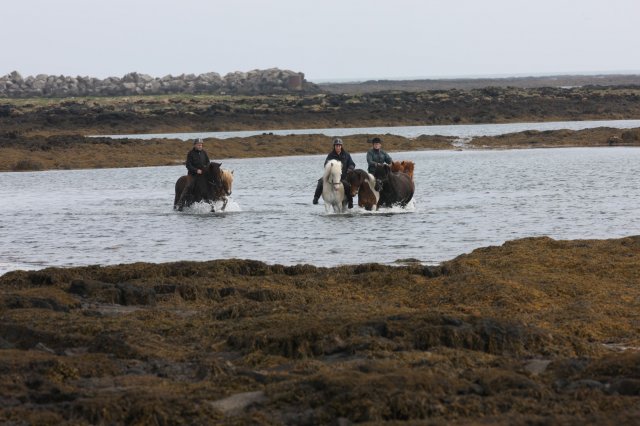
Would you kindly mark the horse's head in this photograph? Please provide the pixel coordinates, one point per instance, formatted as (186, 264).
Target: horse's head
(333, 173)
(355, 178)
(382, 171)
(227, 181)
(213, 173)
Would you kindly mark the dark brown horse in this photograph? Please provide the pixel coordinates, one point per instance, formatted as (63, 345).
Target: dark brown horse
(363, 184)
(212, 185)
(395, 187)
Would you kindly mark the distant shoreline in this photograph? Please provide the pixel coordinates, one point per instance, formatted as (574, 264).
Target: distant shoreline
(61, 152)
(361, 86)
(46, 133)
(593, 74)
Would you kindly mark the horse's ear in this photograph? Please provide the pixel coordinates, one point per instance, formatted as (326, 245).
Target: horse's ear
(231, 171)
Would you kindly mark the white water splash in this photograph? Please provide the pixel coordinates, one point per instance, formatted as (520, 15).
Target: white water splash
(357, 210)
(205, 208)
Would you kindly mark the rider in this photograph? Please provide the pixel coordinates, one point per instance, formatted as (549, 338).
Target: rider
(337, 153)
(197, 161)
(376, 155)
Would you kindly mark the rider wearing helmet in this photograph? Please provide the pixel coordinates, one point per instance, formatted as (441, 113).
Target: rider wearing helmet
(338, 153)
(197, 161)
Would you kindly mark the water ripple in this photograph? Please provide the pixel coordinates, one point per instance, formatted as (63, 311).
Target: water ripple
(464, 200)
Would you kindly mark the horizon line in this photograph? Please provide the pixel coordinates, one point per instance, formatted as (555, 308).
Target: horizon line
(473, 76)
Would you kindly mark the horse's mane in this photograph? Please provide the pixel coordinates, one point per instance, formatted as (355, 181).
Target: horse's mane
(226, 179)
(329, 167)
(404, 166)
(408, 168)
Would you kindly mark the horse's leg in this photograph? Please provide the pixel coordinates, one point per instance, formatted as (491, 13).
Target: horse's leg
(185, 195)
(224, 203)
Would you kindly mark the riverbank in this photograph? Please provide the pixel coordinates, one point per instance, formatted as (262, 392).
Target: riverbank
(533, 331)
(70, 151)
(43, 134)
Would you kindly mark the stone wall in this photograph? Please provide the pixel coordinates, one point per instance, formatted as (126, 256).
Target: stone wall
(270, 81)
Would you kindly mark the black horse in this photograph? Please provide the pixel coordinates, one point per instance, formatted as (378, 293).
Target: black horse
(208, 186)
(395, 188)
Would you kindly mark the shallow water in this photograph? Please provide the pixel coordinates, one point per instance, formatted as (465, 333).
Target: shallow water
(459, 130)
(464, 200)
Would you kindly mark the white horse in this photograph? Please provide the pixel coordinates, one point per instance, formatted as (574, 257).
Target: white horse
(332, 188)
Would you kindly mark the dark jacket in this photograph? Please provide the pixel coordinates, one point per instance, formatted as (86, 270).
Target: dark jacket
(196, 160)
(344, 158)
(374, 157)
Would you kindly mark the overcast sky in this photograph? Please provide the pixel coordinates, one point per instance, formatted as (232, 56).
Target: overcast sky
(327, 39)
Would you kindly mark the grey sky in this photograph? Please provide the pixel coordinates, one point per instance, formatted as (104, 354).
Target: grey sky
(328, 39)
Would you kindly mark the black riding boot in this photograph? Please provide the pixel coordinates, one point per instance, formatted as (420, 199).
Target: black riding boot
(318, 193)
(187, 189)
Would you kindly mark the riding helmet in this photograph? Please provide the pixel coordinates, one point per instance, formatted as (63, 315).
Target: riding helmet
(337, 141)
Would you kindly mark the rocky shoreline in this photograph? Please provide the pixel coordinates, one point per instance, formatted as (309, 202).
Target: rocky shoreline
(270, 81)
(535, 331)
(191, 113)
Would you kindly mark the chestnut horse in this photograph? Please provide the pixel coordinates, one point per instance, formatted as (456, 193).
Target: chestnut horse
(396, 188)
(363, 184)
(404, 167)
(214, 184)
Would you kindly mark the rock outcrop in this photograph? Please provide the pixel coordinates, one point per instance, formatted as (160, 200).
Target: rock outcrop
(269, 81)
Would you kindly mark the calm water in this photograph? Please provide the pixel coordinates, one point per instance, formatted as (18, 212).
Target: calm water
(464, 200)
(460, 130)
